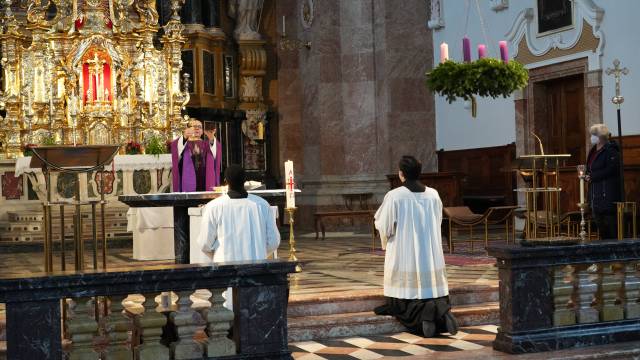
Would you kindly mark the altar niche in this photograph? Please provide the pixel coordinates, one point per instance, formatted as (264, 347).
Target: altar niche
(88, 72)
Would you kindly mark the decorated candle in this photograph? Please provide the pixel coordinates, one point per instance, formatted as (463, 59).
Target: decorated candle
(504, 51)
(290, 184)
(482, 51)
(466, 49)
(444, 52)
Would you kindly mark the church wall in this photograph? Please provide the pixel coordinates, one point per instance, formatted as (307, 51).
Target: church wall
(351, 105)
(495, 124)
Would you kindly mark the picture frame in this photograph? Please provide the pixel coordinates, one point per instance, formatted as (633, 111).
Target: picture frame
(554, 16)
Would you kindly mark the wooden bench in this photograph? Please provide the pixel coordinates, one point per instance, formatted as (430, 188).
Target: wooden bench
(320, 216)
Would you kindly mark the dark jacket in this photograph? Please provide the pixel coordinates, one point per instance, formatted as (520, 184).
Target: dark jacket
(604, 171)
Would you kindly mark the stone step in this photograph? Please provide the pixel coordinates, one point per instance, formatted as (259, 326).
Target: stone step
(367, 300)
(302, 328)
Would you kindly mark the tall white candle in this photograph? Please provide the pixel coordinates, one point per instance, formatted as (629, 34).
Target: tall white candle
(444, 52)
(284, 31)
(290, 184)
(581, 190)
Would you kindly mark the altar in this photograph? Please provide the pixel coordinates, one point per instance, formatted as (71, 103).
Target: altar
(181, 202)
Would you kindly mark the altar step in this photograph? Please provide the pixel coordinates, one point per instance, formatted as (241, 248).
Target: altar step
(352, 314)
(27, 226)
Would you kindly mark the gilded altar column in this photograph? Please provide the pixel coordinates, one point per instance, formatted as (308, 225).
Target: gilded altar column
(12, 42)
(173, 42)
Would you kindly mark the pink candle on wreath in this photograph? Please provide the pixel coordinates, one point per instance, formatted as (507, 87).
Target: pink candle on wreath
(482, 51)
(466, 49)
(504, 51)
(444, 52)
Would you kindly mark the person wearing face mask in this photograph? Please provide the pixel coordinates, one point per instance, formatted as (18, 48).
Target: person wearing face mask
(603, 175)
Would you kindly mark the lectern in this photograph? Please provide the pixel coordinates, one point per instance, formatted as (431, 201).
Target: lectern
(74, 160)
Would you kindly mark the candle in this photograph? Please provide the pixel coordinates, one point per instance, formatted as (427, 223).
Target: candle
(284, 31)
(444, 52)
(290, 184)
(581, 189)
(482, 51)
(504, 51)
(466, 49)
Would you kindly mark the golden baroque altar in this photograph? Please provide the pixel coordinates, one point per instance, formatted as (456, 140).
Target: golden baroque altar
(88, 72)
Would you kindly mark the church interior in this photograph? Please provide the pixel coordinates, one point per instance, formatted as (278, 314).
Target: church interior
(509, 108)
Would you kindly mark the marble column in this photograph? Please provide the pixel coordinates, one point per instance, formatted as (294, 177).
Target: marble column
(211, 13)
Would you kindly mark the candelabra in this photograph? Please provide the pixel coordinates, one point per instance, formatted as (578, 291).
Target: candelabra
(292, 240)
(582, 205)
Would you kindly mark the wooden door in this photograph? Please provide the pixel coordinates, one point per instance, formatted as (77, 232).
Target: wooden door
(565, 116)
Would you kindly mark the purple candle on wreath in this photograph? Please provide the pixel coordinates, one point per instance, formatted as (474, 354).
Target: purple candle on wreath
(504, 51)
(466, 49)
(482, 51)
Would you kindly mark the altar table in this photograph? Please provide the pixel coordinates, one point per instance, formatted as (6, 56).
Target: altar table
(181, 202)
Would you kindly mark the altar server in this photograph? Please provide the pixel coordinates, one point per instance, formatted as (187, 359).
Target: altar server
(415, 280)
(196, 159)
(238, 226)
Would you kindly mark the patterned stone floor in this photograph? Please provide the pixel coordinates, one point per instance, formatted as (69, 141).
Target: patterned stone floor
(394, 345)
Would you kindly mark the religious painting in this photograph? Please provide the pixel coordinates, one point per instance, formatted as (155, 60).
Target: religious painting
(253, 155)
(228, 77)
(187, 67)
(554, 15)
(141, 181)
(11, 186)
(208, 72)
(66, 185)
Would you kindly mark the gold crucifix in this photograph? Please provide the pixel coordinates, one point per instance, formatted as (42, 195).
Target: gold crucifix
(617, 72)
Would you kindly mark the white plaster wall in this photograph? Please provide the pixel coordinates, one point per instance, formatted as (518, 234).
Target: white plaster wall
(495, 123)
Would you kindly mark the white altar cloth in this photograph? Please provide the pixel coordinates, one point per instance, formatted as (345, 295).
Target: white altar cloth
(152, 229)
(120, 162)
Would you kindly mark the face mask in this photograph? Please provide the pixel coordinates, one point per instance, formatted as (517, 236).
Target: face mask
(594, 140)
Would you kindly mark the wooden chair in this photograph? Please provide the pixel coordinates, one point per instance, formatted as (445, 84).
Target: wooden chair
(463, 216)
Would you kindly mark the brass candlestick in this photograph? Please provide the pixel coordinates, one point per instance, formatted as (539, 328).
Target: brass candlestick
(292, 240)
(583, 232)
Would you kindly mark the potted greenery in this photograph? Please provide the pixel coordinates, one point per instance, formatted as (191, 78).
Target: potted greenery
(155, 146)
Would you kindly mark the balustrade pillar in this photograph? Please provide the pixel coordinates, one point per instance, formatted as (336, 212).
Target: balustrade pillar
(587, 289)
(219, 321)
(150, 324)
(563, 285)
(631, 291)
(187, 322)
(117, 326)
(82, 328)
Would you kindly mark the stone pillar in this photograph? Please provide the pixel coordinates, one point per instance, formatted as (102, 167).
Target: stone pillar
(117, 324)
(187, 322)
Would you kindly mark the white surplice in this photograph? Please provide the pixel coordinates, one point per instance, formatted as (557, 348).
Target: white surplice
(238, 230)
(414, 265)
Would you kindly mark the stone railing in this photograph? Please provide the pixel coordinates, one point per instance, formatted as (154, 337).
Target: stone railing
(83, 315)
(556, 297)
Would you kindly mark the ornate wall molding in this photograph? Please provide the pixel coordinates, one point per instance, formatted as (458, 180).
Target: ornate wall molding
(499, 5)
(585, 11)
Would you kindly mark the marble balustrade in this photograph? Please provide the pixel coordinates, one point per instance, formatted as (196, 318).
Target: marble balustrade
(556, 297)
(87, 312)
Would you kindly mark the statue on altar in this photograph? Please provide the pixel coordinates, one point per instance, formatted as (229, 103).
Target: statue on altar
(91, 73)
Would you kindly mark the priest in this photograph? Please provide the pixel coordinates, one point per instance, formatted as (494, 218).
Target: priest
(237, 226)
(415, 280)
(196, 159)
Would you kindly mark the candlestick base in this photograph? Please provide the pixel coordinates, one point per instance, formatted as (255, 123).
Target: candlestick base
(292, 240)
(583, 232)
